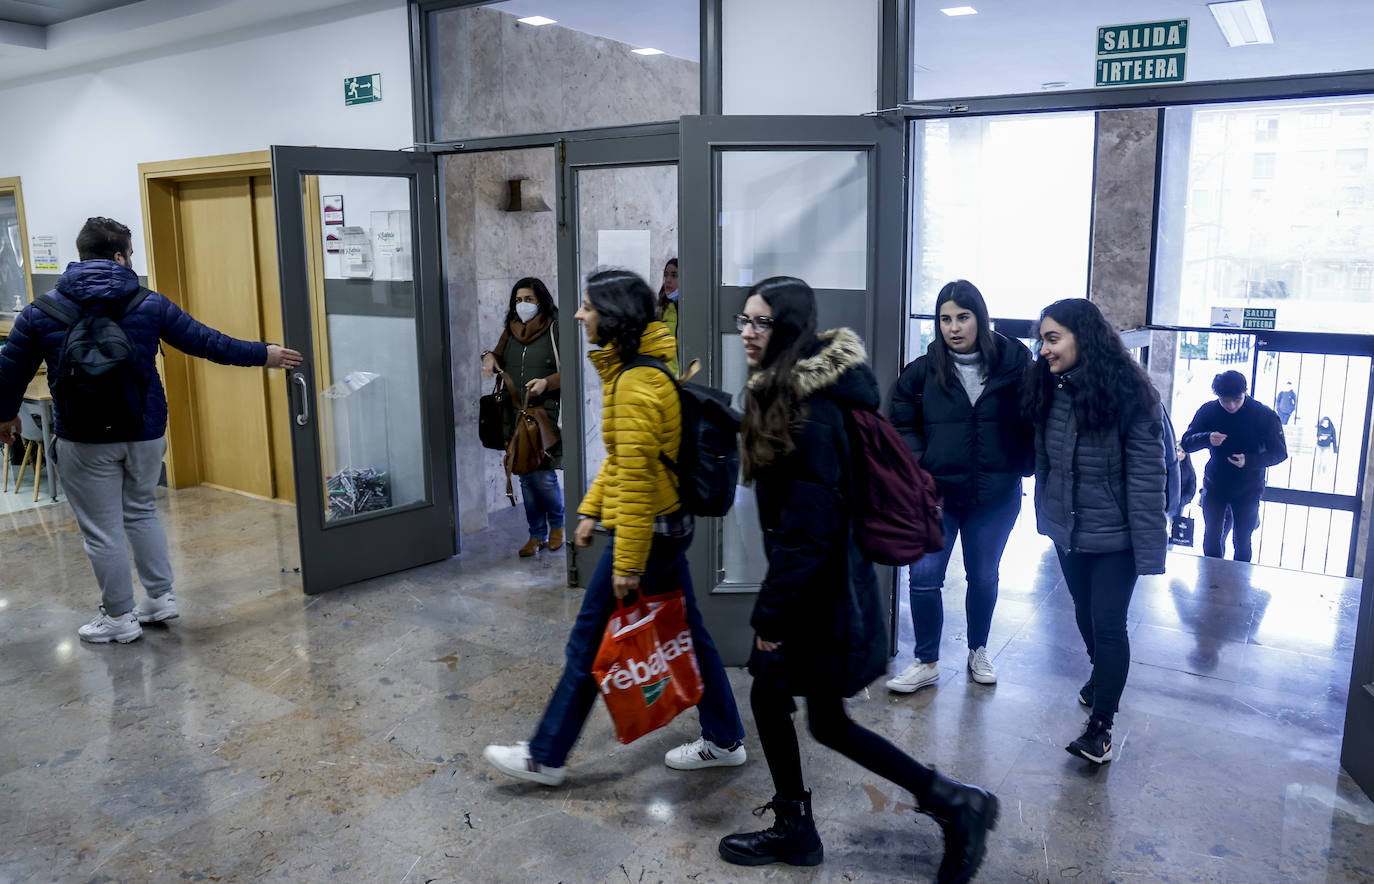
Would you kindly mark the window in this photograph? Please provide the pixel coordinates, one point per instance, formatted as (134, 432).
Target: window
(1266, 128)
(1353, 123)
(1295, 236)
(1006, 203)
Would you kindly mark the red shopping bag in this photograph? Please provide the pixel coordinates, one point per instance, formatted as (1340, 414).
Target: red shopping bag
(646, 666)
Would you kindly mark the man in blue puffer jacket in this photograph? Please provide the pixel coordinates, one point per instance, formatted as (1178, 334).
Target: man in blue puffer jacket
(111, 485)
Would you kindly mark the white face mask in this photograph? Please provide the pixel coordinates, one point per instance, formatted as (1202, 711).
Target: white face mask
(526, 311)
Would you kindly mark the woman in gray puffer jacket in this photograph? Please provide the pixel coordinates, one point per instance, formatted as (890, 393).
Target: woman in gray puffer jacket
(1100, 482)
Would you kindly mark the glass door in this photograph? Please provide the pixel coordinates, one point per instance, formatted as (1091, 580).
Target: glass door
(372, 405)
(621, 202)
(810, 197)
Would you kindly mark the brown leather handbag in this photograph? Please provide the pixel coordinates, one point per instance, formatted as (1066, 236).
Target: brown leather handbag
(533, 437)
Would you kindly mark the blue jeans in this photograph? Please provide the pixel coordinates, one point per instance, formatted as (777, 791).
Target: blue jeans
(572, 699)
(543, 502)
(985, 531)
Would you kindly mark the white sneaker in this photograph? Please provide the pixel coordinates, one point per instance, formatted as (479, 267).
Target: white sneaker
(701, 752)
(515, 761)
(980, 668)
(155, 610)
(914, 677)
(122, 629)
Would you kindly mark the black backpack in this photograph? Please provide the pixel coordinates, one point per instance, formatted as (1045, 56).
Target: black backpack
(98, 389)
(707, 466)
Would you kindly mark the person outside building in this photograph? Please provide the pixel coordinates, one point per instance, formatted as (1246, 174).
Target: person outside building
(958, 408)
(111, 482)
(1286, 402)
(818, 623)
(1244, 438)
(528, 355)
(1100, 490)
(635, 497)
(668, 307)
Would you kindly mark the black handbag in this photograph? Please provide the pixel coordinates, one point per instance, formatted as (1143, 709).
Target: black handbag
(1181, 531)
(491, 418)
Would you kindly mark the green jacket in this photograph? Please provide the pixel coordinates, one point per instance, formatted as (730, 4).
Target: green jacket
(524, 363)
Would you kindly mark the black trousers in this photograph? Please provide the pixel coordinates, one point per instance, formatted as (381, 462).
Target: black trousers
(1101, 585)
(833, 728)
(1234, 509)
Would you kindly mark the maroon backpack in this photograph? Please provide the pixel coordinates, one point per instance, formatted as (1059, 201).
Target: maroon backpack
(898, 507)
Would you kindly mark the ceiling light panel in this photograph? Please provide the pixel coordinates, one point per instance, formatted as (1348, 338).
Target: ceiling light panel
(959, 10)
(1242, 22)
(537, 20)
(647, 51)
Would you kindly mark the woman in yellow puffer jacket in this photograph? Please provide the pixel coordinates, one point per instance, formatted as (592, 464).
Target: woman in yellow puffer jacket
(634, 497)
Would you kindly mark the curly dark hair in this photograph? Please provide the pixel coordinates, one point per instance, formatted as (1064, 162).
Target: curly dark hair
(1111, 385)
(772, 410)
(625, 305)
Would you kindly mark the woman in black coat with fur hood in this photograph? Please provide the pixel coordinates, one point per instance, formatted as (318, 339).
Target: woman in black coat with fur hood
(818, 622)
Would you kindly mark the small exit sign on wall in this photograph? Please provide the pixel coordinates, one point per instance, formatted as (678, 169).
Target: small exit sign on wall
(361, 90)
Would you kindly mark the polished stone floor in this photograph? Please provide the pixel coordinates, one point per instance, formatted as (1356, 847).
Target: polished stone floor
(267, 734)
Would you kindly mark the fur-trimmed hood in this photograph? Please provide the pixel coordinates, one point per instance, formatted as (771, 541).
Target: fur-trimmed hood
(838, 369)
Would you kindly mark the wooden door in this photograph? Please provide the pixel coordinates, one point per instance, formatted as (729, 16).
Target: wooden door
(228, 281)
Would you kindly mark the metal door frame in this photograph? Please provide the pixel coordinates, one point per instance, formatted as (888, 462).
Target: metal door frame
(396, 539)
(618, 147)
(726, 608)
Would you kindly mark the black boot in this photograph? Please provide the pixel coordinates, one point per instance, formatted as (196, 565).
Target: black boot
(792, 839)
(966, 814)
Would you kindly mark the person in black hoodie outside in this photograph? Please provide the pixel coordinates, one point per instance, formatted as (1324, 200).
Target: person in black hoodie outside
(818, 622)
(958, 408)
(1245, 438)
(1100, 490)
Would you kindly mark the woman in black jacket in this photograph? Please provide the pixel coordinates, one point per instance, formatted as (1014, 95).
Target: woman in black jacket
(1100, 479)
(818, 622)
(958, 407)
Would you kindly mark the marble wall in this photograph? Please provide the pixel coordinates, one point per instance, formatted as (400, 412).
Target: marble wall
(499, 77)
(1123, 215)
(488, 250)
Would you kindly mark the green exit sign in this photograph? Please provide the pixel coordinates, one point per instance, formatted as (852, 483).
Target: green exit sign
(1147, 52)
(361, 90)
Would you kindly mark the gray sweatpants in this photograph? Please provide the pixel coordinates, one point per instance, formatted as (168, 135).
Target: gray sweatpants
(111, 487)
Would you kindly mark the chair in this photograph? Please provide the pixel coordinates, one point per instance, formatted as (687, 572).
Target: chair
(31, 432)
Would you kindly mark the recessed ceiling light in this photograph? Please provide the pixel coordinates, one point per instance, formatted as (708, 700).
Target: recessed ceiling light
(960, 10)
(1242, 22)
(1054, 84)
(537, 20)
(647, 51)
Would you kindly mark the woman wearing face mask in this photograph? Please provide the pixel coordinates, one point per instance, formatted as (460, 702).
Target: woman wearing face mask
(1100, 490)
(819, 628)
(958, 407)
(667, 306)
(528, 355)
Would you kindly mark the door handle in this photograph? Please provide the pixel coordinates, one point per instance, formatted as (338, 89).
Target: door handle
(302, 416)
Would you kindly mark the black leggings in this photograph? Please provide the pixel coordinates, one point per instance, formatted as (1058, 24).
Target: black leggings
(831, 727)
(1101, 585)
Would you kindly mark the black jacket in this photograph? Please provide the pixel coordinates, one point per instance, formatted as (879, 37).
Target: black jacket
(820, 598)
(1104, 490)
(1254, 430)
(977, 452)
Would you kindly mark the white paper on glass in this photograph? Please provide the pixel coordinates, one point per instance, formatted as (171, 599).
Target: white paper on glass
(625, 249)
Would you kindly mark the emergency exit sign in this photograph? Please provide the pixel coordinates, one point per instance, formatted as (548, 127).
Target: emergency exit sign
(361, 90)
(1148, 52)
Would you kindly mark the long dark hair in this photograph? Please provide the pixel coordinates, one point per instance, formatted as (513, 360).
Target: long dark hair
(663, 301)
(624, 305)
(966, 295)
(541, 295)
(1111, 385)
(772, 408)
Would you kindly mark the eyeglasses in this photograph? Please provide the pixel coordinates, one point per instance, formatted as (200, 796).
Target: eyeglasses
(762, 324)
